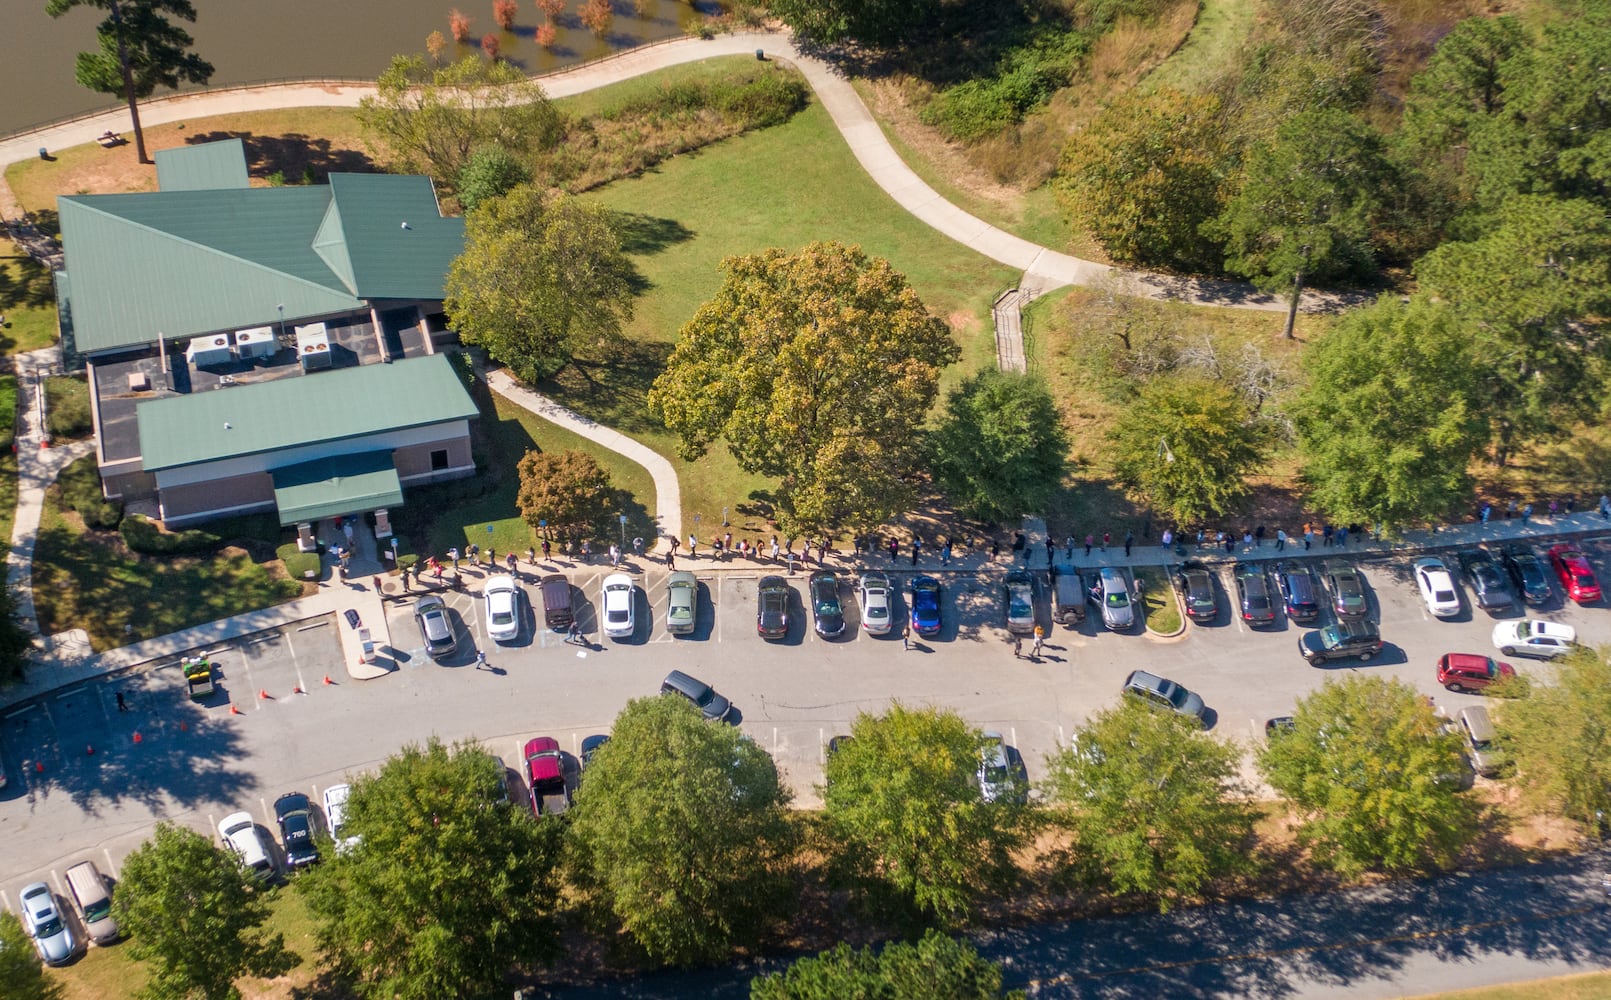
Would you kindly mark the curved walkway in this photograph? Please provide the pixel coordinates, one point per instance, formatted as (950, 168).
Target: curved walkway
(1043, 268)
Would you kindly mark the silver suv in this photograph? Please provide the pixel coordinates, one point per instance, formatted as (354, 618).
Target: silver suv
(1162, 693)
(1112, 595)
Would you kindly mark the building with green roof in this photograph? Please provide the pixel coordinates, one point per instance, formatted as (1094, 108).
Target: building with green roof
(264, 348)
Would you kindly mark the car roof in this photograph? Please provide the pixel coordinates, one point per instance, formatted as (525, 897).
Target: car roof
(541, 744)
(290, 801)
(682, 578)
(428, 602)
(1475, 660)
(501, 582)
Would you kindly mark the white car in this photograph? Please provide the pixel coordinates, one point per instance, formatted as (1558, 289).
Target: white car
(241, 834)
(335, 814)
(52, 937)
(1532, 637)
(875, 610)
(1437, 587)
(620, 619)
(502, 595)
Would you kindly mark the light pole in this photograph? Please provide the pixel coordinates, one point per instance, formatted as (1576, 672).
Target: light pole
(1165, 452)
(281, 308)
(724, 517)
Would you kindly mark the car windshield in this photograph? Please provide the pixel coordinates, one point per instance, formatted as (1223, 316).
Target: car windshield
(1118, 599)
(1489, 668)
(51, 927)
(1330, 636)
(995, 774)
(1018, 602)
(924, 600)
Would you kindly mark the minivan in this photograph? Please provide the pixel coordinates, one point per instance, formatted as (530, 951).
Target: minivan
(714, 706)
(94, 902)
(557, 613)
(1478, 731)
(1068, 595)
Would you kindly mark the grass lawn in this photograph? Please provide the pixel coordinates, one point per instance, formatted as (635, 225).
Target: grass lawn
(91, 580)
(1162, 609)
(1211, 51)
(783, 186)
(108, 973)
(27, 301)
(8, 458)
(1588, 986)
(289, 141)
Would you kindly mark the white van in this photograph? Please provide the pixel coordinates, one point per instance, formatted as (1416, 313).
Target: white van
(94, 902)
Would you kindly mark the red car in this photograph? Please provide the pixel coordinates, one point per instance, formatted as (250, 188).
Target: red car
(1572, 569)
(1471, 671)
(545, 770)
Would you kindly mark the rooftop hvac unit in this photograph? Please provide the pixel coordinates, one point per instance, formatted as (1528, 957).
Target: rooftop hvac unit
(313, 346)
(258, 342)
(213, 349)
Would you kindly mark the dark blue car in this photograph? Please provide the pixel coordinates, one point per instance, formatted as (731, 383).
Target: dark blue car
(925, 605)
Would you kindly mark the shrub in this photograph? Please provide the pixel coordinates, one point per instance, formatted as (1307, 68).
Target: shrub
(80, 489)
(490, 46)
(503, 12)
(144, 536)
(8, 410)
(68, 408)
(1024, 78)
(459, 24)
(490, 173)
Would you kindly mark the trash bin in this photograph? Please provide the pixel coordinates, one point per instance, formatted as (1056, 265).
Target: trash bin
(759, 54)
(44, 154)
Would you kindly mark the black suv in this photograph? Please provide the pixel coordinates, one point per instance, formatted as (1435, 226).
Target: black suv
(1340, 641)
(1196, 586)
(772, 608)
(296, 829)
(1297, 591)
(1528, 574)
(1253, 596)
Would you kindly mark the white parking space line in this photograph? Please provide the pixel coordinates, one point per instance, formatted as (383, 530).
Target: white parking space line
(822, 747)
(5, 900)
(69, 694)
(268, 816)
(111, 866)
(56, 880)
(212, 827)
(301, 682)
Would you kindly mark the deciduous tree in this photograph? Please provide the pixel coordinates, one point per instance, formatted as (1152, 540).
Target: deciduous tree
(680, 833)
(1187, 445)
(1373, 775)
(539, 281)
(15, 641)
(491, 172)
(176, 890)
(1530, 292)
(936, 966)
(1560, 737)
(140, 50)
(903, 803)
(1145, 175)
(448, 887)
(1305, 206)
(1389, 422)
(816, 367)
(1461, 85)
(431, 118)
(1155, 806)
(1001, 450)
(873, 21)
(21, 975)
(568, 489)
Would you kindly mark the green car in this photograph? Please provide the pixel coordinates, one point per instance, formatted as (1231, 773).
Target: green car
(682, 603)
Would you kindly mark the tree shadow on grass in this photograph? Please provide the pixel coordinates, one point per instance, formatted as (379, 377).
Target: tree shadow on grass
(645, 234)
(293, 155)
(613, 389)
(25, 283)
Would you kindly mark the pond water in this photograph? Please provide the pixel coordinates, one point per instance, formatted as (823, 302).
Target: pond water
(251, 40)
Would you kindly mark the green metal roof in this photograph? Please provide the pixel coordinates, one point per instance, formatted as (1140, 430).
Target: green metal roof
(300, 410)
(346, 484)
(181, 263)
(203, 167)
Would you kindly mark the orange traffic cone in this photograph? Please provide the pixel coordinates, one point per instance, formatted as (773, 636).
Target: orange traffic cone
(298, 689)
(263, 693)
(327, 680)
(233, 710)
(137, 737)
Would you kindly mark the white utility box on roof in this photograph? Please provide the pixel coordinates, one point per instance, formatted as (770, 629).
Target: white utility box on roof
(313, 346)
(258, 342)
(213, 349)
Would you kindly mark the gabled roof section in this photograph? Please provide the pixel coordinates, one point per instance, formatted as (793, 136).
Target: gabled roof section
(205, 167)
(396, 242)
(306, 409)
(181, 263)
(330, 243)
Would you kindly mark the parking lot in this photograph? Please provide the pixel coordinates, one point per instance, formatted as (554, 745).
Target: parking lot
(196, 761)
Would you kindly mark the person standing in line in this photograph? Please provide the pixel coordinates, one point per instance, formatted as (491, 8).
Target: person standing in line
(917, 547)
(531, 556)
(1258, 536)
(1129, 540)
(1326, 532)
(693, 547)
(1040, 640)
(995, 549)
(1527, 514)
(671, 559)
(1050, 549)
(547, 548)
(945, 553)
(727, 542)
(453, 554)
(1510, 509)
(122, 706)
(1017, 647)
(1247, 539)
(1068, 547)
(1280, 539)
(492, 556)
(1605, 507)
(894, 549)
(906, 637)
(1487, 512)
(1088, 541)
(637, 545)
(1342, 536)
(774, 548)
(1167, 538)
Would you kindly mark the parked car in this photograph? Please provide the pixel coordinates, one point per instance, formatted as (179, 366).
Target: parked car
(713, 706)
(682, 602)
(436, 628)
(1253, 595)
(1572, 569)
(1477, 731)
(545, 771)
(1161, 693)
(590, 747)
(1018, 590)
(1347, 588)
(502, 597)
(1437, 587)
(620, 612)
(1471, 672)
(835, 744)
(335, 814)
(1533, 637)
(1340, 641)
(557, 611)
(1527, 573)
(241, 834)
(1068, 595)
(294, 813)
(825, 606)
(1489, 591)
(1297, 589)
(772, 608)
(876, 612)
(1196, 586)
(87, 887)
(1112, 594)
(995, 775)
(925, 604)
(53, 938)
(1279, 726)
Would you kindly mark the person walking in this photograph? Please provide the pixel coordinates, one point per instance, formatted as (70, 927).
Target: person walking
(1107, 537)
(512, 562)
(906, 637)
(531, 556)
(1486, 512)
(492, 556)
(1040, 640)
(122, 706)
(1017, 647)
(637, 545)
(671, 559)
(693, 547)
(480, 658)
(1280, 539)
(375, 581)
(1527, 514)
(615, 555)
(1129, 540)
(474, 551)
(917, 546)
(574, 636)
(1068, 547)
(405, 577)
(1088, 540)
(453, 554)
